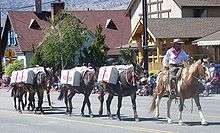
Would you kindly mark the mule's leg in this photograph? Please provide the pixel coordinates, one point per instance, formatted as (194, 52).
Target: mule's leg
(119, 107)
(22, 102)
(70, 96)
(133, 100)
(66, 101)
(25, 99)
(15, 103)
(40, 94)
(31, 101)
(19, 103)
(108, 104)
(181, 111)
(169, 120)
(89, 105)
(83, 105)
(48, 97)
(203, 121)
(101, 99)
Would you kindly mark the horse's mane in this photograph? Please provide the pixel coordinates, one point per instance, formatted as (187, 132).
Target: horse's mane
(190, 69)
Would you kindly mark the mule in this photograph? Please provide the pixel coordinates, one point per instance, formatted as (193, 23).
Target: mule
(85, 88)
(17, 92)
(187, 87)
(40, 84)
(126, 86)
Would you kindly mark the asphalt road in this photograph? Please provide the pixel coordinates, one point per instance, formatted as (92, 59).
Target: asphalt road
(55, 121)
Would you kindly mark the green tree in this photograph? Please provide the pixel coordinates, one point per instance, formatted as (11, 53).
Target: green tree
(97, 52)
(61, 43)
(16, 65)
(126, 56)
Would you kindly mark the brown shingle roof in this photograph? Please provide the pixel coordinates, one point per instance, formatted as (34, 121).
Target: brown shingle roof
(27, 38)
(212, 37)
(114, 38)
(183, 27)
(198, 2)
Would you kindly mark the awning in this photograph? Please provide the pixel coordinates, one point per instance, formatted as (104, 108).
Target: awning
(209, 40)
(208, 43)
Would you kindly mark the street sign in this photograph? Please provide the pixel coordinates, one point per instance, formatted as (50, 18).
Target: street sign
(9, 53)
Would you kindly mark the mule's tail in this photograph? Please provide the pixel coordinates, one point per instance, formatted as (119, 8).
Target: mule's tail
(153, 103)
(62, 94)
(13, 92)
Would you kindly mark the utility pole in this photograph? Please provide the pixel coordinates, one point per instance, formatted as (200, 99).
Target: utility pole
(145, 37)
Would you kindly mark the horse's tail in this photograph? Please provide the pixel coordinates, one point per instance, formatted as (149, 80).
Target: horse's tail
(62, 94)
(153, 103)
(13, 92)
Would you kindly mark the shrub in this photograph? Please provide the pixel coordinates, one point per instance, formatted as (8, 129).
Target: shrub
(16, 65)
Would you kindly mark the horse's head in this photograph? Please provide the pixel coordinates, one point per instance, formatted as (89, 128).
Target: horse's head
(88, 77)
(202, 70)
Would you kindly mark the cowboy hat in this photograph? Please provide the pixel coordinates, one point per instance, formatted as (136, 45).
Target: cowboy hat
(177, 41)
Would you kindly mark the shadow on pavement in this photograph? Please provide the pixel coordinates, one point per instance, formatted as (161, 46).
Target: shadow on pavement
(145, 119)
(199, 123)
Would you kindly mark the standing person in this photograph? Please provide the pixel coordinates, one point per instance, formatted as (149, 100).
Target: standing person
(173, 60)
(212, 70)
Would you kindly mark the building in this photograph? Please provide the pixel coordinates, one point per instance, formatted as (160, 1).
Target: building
(188, 20)
(23, 30)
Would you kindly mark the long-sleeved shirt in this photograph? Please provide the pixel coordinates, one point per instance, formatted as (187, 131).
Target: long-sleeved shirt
(174, 57)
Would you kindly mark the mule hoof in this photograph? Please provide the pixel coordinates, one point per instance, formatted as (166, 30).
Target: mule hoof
(156, 116)
(111, 117)
(70, 114)
(169, 121)
(82, 115)
(204, 123)
(100, 113)
(91, 115)
(119, 118)
(42, 113)
(66, 113)
(137, 119)
(180, 122)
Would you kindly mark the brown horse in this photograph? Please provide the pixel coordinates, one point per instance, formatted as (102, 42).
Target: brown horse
(187, 87)
(85, 88)
(126, 86)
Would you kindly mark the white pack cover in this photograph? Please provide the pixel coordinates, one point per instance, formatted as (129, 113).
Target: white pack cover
(71, 77)
(108, 74)
(74, 78)
(37, 69)
(28, 76)
(122, 68)
(81, 69)
(14, 76)
(64, 76)
(20, 76)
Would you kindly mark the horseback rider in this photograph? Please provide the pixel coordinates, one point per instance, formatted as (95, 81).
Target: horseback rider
(173, 61)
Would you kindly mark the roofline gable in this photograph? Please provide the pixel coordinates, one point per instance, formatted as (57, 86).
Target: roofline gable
(130, 6)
